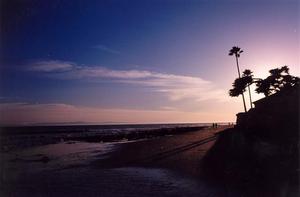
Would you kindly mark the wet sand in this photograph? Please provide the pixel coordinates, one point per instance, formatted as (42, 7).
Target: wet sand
(164, 166)
(181, 153)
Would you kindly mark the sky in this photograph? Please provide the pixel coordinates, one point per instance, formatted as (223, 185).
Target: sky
(125, 61)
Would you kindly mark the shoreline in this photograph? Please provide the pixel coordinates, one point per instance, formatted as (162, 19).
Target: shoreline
(164, 166)
(38, 137)
(181, 153)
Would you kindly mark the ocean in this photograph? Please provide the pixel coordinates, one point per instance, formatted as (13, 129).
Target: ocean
(27, 136)
(60, 160)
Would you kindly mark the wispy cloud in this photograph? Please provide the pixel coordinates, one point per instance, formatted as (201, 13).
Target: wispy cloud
(168, 108)
(176, 87)
(102, 72)
(106, 49)
(52, 66)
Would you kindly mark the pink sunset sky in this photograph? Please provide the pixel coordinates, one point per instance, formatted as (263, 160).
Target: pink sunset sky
(156, 62)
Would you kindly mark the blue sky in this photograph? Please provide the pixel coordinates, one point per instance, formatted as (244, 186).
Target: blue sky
(147, 59)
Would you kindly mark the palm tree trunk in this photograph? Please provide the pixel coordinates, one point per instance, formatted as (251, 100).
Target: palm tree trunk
(238, 68)
(250, 96)
(237, 65)
(244, 102)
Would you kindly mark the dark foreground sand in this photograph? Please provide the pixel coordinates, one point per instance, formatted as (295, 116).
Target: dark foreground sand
(181, 153)
(165, 166)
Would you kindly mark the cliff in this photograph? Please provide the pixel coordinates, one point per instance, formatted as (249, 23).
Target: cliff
(274, 117)
(260, 156)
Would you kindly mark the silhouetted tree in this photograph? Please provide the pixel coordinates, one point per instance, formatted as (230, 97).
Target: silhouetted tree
(239, 87)
(263, 86)
(236, 51)
(247, 74)
(278, 80)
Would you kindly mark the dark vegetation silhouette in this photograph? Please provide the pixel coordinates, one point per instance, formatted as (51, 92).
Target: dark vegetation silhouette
(260, 155)
(278, 80)
(239, 86)
(236, 51)
(248, 77)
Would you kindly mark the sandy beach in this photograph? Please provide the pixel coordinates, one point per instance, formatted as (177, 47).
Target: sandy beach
(181, 153)
(164, 166)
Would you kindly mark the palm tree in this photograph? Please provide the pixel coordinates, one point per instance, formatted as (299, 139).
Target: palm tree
(236, 51)
(239, 86)
(247, 74)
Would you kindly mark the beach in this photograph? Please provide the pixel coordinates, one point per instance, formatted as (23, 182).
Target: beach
(181, 153)
(161, 166)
